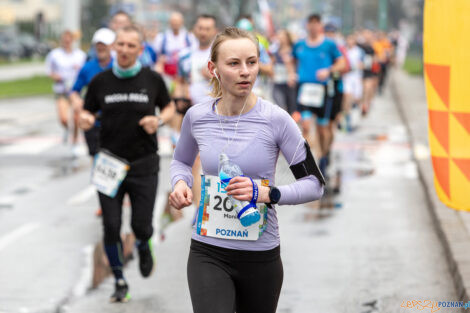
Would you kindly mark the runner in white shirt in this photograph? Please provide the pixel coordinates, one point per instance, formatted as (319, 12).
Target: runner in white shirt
(193, 60)
(193, 79)
(353, 89)
(168, 45)
(63, 65)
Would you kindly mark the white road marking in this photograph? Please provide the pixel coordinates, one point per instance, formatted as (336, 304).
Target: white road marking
(157, 215)
(7, 201)
(17, 233)
(30, 146)
(83, 196)
(86, 276)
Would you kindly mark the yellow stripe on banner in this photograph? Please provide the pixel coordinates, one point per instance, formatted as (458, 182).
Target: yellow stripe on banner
(459, 143)
(460, 188)
(436, 147)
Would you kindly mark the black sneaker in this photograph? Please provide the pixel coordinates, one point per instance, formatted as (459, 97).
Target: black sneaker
(146, 258)
(121, 292)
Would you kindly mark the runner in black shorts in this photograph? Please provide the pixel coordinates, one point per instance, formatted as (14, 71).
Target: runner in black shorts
(323, 113)
(127, 96)
(371, 70)
(316, 58)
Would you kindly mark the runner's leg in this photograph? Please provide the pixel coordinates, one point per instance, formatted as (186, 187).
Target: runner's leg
(63, 110)
(210, 284)
(142, 191)
(259, 286)
(112, 218)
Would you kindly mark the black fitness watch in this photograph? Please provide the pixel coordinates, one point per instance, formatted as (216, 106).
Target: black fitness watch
(274, 195)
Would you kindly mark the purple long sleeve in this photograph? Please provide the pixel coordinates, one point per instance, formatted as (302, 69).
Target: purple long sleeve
(185, 153)
(262, 133)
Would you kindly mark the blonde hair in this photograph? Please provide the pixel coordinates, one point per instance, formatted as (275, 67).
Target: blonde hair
(227, 34)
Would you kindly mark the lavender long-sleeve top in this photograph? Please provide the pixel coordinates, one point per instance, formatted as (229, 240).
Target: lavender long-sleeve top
(262, 133)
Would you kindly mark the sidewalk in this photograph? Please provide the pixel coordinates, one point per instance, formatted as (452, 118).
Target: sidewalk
(453, 227)
(20, 71)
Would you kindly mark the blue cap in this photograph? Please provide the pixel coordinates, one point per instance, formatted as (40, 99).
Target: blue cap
(244, 24)
(330, 28)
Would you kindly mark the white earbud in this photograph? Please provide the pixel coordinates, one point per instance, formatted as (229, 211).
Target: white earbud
(215, 74)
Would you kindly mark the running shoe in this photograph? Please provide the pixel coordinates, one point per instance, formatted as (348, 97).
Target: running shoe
(146, 258)
(121, 292)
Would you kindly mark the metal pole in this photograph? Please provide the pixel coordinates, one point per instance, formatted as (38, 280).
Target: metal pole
(383, 15)
(71, 16)
(348, 17)
(314, 4)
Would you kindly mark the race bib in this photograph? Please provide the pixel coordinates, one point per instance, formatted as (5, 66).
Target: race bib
(368, 62)
(312, 95)
(108, 173)
(280, 73)
(217, 218)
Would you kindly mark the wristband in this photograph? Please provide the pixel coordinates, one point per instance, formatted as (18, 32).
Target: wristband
(160, 122)
(252, 203)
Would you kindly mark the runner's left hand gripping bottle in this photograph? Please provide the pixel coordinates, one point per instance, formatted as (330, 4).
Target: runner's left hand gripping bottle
(247, 212)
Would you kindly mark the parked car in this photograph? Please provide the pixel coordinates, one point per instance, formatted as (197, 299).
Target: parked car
(32, 47)
(10, 48)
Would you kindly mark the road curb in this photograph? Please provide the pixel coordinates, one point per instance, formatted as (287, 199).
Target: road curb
(450, 225)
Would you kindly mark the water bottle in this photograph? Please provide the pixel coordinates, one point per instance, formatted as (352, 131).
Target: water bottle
(228, 170)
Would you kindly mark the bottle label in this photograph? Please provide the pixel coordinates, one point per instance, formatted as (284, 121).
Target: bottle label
(218, 218)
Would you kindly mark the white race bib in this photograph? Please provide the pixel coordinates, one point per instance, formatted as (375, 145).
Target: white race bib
(280, 73)
(217, 218)
(368, 62)
(108, 173)
(312, 95)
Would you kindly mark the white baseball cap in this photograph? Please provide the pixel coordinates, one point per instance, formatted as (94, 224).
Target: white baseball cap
(103, 35)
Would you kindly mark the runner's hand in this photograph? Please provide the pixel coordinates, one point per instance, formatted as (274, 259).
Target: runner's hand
(240, 188)
(86, 120)
(149, 123)
(77, 103)
(323, 74)
(291, 80)
(182, 196)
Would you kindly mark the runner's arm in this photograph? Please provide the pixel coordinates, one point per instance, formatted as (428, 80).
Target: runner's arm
(265, 64)
(291, 66)
(185, 154)
(76, 100)
(291, 144)
(167, 113)
(50, 68)
(80, 82)
(160, 62)
(340, 65)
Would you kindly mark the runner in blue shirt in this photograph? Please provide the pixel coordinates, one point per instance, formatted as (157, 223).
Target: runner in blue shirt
(102, 41)
(315, 59)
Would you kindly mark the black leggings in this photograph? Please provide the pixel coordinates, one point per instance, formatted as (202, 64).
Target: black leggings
(142, 191)
(226, 281)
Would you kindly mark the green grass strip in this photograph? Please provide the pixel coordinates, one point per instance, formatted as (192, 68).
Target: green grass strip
(413, 65)
(37, 85)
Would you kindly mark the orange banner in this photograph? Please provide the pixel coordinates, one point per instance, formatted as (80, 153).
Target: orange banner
(447, 76)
